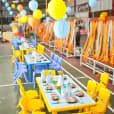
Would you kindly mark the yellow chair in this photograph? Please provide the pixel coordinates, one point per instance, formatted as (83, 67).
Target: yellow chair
(17, 54)
(91, 89)
(40, 49)
(104, 79)
(23, 112)
(29, 50)
(53, 72)
(31, 104)
(102, 103)
(38, 112)
(31, 94)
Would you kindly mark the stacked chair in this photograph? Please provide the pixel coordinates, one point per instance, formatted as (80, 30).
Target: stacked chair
(19, 70)
(29, 102)
(56, 62)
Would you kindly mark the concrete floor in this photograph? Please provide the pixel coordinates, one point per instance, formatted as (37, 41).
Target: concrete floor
(9, 93)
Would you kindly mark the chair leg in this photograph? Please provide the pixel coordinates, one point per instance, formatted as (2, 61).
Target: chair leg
(25, 76)
(18, 76)
(34, 83)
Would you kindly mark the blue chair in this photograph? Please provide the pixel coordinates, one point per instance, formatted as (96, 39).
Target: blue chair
(54, 62)
(51, 56)
(33, 42)
(20, 68)
(58, 65)
(37, 71)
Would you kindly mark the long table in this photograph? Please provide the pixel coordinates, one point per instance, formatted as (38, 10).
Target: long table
(39, 59)
(83, 102)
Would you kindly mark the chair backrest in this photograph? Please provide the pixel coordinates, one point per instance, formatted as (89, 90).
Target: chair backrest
(103, 101)
(51, 56)
(91, 89)
(40, 49)
(56, 58)
(53, 72)
(104, 79)
(60, 61)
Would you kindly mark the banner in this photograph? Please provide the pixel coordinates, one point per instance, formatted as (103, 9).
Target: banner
(83, 7)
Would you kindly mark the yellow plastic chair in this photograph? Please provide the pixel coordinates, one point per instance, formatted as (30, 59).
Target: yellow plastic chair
(17, 54)
(104, 79)
(23, 112)
(40, 49)
(31, 94)
(82, 113)
(38, 112)
(31, 104)
(29, 50)
(91, 89)
(102, 103)
(53, 72)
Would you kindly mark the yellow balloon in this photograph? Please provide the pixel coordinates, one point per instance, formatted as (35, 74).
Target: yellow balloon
(24, 19)
(57, 9)
(14, 27)
(20, 20)
(46, 10)
(37, 14)
(13, 6)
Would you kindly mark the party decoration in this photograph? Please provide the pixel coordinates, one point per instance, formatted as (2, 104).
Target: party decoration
(68, 10)
(11, 12)
(104, 14)
(3, 1)
(20, 7)
(33, 5)
(23, 12)
(18, 15)
(13, 24)
(31, 21)
(92, 3)
(37, 14)
(69, 0)
(14, 27)
(13, 6)
(20, 20)
(57, 9)
(9, 8)
(24, 19)
(61, 28)
(46, 10)
(47, 20)
(6, 4)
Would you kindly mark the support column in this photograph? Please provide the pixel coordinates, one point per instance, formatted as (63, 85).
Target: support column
(112, 7)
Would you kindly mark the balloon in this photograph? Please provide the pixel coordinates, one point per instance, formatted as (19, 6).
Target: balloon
(61, 28)
(102, 18)
(46, 10)
(31, 21)
(20, 20)
(23, 12)
(33, 5)
(13, 24)
(9, 8)
(37, 14)
(3, 1)
(69, 0)
(104, 14)
(69, 10)
(14, 27)
(19, 7)
(92, 3)
(18, 15)
(47, 20)
(24, 19)
(57, 9)
(6, 4)
(13, 6)
(11, 12)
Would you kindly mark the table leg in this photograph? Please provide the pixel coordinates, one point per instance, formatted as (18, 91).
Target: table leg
(30, 73)
(54, 112)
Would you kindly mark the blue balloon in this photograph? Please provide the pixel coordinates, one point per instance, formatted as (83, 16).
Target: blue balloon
(9, 8)
(92, 3)
(47, 20)
(61, 28)
(13, 24)
(23, 12)
(11, 12)
(3, 1)
(33, 5)
(69, 10)
(6, 4)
